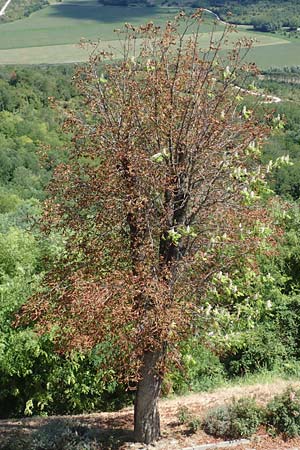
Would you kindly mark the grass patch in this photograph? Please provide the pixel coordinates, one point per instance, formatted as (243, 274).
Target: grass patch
(288, 372)
(55, 54)
(67, 23)
(279, 55)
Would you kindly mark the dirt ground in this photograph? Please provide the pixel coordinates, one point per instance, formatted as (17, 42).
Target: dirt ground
(114, 429)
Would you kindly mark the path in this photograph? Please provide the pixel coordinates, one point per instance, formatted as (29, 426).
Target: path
(216, 16)
(266, 98)
(3, 9)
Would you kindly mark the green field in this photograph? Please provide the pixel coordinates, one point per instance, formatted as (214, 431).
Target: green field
(277, 55)
(51, 35)
(68, 22)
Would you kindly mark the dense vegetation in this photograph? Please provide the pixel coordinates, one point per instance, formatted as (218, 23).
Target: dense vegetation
(21, 8)
(264, 15)
(33, 378)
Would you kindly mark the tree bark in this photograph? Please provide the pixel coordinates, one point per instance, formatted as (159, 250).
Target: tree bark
(146, 415)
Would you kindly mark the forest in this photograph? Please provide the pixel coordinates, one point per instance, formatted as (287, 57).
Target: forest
(267, 16)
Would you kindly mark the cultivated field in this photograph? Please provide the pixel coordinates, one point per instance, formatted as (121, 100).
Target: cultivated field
(51, 35)
(279, 55)
(68, 22)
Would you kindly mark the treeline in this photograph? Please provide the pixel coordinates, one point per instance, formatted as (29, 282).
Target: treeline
(264, 15)
(22, 8)
(288, 74)
(33, 377)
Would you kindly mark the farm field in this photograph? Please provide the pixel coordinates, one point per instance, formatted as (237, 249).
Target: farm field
(279, 55)
(68, 53)
(51, 35)
(68, 22)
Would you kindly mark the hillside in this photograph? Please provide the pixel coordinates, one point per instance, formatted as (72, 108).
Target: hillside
(110, 430)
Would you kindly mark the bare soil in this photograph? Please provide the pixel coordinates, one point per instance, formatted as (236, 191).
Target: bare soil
(114, 430)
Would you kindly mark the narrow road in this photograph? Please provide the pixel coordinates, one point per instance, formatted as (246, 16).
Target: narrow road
(266, 98)
(216, 16)
(3, 9)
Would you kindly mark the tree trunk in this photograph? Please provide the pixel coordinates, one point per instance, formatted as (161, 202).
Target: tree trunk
(146, 415)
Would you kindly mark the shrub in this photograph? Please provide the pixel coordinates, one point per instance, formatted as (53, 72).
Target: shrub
(186, 418)
(283, 413)
(62, 435)
(200, 370)
(194, 424)
(183, 415)
(260, 349)
(241, 418)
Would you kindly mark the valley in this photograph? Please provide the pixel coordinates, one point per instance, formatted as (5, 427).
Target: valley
(52, 34)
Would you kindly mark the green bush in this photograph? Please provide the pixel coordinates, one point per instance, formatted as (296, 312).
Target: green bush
(283, 413)
(185, 417)
(35, 380)
(241, 418)
(260, 349)
(200, 370)
(194, 424)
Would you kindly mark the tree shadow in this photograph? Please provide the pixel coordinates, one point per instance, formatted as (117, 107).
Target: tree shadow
(94, 11)
(91, 431)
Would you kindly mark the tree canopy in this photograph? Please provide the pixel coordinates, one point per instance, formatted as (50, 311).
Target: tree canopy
(160, 193)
